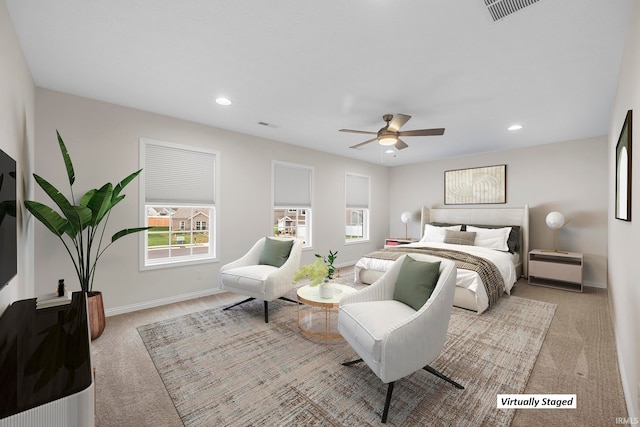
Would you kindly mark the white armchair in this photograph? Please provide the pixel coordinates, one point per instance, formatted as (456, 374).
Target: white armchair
(392, 338)
(248, 276)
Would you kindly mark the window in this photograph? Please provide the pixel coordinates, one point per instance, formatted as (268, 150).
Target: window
(292, 189)
(357, 208)
(178, 197)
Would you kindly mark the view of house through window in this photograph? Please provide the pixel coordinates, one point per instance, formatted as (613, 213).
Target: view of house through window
(355, 222)
(179, 232)
(292, 222)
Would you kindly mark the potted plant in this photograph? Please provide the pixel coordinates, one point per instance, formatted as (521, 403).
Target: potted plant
(81, 228)
(319, 273)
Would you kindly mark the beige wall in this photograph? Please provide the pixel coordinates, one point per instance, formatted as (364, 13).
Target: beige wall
(16, 139)
(624, 276)
(570, 177)
(102, 140)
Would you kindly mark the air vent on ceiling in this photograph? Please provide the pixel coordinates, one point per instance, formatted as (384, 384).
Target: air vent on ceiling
(268, 125)
(499, 9)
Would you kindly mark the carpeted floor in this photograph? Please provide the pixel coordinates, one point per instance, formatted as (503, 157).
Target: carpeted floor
(230, 368)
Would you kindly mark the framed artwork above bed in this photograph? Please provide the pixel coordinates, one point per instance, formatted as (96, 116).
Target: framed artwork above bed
(482, 185)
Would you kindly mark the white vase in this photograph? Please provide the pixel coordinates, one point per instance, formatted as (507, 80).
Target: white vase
(326, 290)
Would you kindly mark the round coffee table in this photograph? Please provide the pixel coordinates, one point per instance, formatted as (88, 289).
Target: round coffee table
(321, 323)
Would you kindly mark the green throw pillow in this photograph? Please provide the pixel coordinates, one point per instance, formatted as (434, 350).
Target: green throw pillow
(275, 252)
(416, 281)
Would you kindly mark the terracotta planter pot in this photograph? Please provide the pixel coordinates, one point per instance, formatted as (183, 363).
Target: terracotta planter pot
(97, 320)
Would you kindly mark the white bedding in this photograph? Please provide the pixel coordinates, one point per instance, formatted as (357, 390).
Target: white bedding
(467, 279)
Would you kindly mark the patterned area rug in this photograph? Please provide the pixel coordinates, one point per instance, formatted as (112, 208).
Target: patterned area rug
(230, 368)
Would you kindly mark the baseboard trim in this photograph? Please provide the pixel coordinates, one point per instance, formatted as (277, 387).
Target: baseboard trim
(626, 387)
(158, 302)
(595, 285)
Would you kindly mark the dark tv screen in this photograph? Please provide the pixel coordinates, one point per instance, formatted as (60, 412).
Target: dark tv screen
(8, 232)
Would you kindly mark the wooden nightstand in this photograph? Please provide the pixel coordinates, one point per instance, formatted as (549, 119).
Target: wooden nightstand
(556, 269)
(393, 241)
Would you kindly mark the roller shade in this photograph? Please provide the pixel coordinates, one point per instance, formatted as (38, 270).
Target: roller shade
(178, 175)
(357, 191)
(292, 185)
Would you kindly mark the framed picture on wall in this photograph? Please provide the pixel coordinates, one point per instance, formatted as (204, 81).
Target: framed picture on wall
(623, 171)
(476, 185)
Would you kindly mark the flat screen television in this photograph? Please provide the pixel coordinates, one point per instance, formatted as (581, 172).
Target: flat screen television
(8, 224)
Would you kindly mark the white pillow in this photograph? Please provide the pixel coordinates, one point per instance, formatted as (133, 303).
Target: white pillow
(433, 233)
(492, 238)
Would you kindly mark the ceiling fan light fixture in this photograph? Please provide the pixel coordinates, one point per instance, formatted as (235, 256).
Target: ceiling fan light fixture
(388, 140)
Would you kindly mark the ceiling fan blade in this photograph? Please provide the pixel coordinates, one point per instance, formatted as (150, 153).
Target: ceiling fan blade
(422, 132)
(400, 145)
(358, 131)
(398, 120)
(363, 143)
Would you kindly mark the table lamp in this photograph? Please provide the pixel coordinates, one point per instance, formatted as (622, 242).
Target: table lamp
(405, 218)
(555, 221)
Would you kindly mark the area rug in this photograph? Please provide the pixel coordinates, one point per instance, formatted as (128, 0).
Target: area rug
(230, 368)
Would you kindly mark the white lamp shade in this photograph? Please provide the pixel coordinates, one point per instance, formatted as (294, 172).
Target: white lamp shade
(405, 217)
(555, 220)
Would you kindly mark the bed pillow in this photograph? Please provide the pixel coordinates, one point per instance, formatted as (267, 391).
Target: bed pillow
(514, 236)
(492, 238)
(275, 252)
(433, 233)
(460, 237)
(416, 282)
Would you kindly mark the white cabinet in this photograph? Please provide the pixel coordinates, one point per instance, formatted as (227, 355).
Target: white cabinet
(562, 270)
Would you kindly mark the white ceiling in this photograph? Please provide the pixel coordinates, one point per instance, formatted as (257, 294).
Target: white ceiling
(309, 68)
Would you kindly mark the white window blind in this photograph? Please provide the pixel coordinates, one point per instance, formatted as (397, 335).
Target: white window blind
(292, 185)
(357, 191)
(178, 174)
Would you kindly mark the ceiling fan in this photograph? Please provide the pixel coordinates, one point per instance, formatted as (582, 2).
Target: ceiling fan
(389, 135)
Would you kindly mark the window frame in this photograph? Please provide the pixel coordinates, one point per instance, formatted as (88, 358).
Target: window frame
(349, 209)
(302, 211)
(213, 220)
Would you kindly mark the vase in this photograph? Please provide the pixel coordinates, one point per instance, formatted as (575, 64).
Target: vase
(97, 320)
(325, 289)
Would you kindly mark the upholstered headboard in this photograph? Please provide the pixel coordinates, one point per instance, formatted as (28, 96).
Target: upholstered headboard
(487, 216)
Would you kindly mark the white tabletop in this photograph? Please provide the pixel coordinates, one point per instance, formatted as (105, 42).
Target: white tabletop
(312, 294)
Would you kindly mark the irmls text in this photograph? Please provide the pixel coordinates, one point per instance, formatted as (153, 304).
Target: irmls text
(630, 421)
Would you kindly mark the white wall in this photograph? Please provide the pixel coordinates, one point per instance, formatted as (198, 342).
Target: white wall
(570, 177)
(16, 139)
(624, 277)
(102, 140)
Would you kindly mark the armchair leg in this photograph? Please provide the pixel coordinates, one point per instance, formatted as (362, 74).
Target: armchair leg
(387, 401)
(442, 376)
(353, 362)
(238, 303)
(266, 306)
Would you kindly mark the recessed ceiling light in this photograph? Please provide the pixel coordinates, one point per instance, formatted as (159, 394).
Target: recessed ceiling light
(515, 127)
(389, 151)
(223, 101)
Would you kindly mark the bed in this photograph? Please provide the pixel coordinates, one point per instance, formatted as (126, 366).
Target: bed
(471, 292)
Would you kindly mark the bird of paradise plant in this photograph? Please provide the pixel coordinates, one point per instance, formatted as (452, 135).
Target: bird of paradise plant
(81, 226)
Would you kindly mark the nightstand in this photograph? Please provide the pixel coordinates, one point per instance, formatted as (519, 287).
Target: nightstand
(561, 270)
(393, 241)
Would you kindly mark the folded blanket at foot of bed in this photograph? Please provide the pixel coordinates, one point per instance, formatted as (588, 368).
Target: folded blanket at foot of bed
(487, 270)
